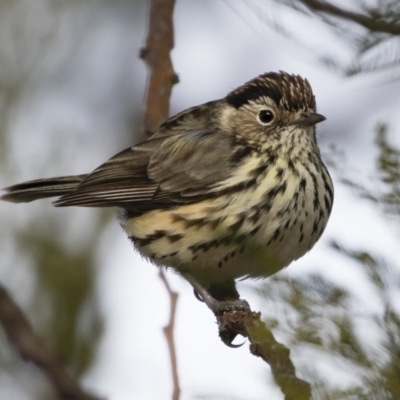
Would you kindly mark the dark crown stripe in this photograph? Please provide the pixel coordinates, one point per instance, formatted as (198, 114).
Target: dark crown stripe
(243, 94)
(291, 92)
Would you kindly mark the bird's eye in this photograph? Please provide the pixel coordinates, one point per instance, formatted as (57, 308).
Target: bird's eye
(265, 117)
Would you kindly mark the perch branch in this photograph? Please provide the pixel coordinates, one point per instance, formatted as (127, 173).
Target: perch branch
(263, 344)
(243, 321)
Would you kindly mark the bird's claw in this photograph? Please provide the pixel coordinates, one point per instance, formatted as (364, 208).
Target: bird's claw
(227, 337)
(221, 310)
(198, 297)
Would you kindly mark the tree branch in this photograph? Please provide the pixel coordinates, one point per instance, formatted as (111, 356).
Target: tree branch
(243, 321)
(20, 334)
(156, 54)
(264, 345)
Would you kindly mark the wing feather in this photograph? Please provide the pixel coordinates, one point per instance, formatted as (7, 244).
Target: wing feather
(160, 172)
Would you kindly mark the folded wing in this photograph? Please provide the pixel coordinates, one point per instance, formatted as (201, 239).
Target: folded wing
(160, 172)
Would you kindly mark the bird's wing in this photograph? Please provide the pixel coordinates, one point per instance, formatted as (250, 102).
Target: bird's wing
(161, 172)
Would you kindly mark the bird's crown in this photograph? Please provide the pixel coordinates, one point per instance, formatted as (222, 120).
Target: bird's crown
(290, 92)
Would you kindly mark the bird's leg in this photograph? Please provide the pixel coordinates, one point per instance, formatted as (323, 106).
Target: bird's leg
(218, 298)
(221, 299)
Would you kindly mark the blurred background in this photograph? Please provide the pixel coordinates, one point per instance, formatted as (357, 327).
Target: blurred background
(71, 96)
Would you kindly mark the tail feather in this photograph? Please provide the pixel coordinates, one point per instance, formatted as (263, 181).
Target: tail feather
(41, 188)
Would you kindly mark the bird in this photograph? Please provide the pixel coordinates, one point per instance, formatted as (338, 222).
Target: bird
(231, 189)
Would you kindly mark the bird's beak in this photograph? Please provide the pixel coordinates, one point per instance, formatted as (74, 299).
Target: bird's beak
(309, 119)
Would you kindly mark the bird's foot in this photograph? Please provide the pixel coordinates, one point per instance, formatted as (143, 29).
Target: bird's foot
(226, 312)
(219, 307)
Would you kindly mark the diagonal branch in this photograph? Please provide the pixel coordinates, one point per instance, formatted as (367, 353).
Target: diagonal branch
(242, 321)
(20, 334)
(263, 344)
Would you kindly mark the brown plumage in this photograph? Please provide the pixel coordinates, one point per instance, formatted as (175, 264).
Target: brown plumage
(232, 188)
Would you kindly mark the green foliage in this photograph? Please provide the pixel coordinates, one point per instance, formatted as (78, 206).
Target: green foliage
(384, 189)
(65, 284)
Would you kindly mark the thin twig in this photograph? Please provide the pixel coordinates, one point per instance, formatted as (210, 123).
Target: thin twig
(169, 336)
(20, 334)
(159, 43)
(374, 23)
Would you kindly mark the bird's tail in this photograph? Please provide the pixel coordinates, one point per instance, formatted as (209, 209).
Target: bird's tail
(41, 188)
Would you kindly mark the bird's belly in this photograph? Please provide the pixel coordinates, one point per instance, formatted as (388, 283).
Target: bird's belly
(217, 244)
(208, 255)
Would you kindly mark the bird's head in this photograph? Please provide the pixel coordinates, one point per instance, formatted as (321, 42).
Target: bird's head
(274, 107)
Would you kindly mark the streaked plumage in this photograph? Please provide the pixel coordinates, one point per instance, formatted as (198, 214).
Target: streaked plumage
(219, 191)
